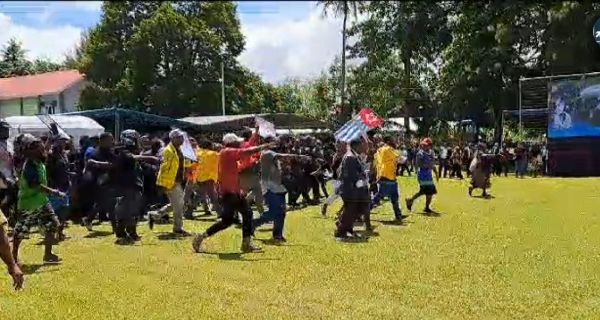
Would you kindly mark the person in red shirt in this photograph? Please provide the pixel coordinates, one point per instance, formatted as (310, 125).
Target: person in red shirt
(249, 172)
(232, 198)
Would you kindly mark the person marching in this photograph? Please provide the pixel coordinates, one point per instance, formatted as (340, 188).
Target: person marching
(275, 191)
(33, 203)
(171, 179)
(336, 162)
(233, 200)
(386, 160)
(425, 166)
(354, 190)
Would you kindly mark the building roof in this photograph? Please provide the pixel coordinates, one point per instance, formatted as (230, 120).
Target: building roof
(38, 84)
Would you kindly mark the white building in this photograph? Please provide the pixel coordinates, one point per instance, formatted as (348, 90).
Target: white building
(52, 92)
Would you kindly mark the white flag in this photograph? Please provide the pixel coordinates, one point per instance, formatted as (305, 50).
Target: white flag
(187, 150)
(265, 128)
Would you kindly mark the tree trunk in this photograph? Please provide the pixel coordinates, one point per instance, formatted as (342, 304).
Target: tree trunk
(407, 75)
(345, 110)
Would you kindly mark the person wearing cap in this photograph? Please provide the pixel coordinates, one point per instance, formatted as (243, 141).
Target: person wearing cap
(233, 200)
(171, 179)
(386, 165)
(274, 189)
(57, 167)
(34, 206)
(425, 163)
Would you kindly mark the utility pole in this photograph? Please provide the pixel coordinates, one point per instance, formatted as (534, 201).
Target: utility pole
(223, 86)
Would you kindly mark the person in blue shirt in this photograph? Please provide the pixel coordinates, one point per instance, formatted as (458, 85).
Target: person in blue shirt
(425, 163)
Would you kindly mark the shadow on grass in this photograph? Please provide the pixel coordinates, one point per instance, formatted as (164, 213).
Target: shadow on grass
(404, 222)
(433, 214)
(270, 242)
(171, 236)
(236, 256)
(29, 269)
(265, 230)
(486, 197)
(98, 234)
(362, 239)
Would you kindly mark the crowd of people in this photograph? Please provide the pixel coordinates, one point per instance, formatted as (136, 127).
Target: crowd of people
(47, 181)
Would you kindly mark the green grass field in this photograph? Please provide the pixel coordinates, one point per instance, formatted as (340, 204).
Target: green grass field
(531, 252)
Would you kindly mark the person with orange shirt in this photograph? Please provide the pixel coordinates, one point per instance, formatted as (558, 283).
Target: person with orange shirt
(250, 171)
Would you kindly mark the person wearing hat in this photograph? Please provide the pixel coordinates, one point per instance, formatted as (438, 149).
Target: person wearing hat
(172, 180)
(57, 167)
(425, 163)
(233, 201)
(33, 203)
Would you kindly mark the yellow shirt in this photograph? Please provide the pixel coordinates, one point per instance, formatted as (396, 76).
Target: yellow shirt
(386, 162)
(209, 165)
(168, 168)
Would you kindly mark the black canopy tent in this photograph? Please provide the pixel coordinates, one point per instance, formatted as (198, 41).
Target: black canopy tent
(117, 119)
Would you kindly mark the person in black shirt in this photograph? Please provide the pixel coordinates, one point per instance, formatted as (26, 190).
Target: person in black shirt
(100, 173)
(127, 183)
(57, 171)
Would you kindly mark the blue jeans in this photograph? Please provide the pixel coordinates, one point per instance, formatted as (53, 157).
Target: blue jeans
(389, 189)
(520, 167)
(276, 213)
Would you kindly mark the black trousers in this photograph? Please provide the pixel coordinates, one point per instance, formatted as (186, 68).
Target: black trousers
(352, 211)
(231, 204)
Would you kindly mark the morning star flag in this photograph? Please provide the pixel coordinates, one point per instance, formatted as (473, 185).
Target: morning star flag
(364, 121)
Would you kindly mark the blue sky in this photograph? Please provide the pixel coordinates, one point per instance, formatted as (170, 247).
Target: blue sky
(283, 39)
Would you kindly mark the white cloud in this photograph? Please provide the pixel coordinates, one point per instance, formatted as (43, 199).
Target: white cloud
(87, 5)
(303, 48)
(48, 42)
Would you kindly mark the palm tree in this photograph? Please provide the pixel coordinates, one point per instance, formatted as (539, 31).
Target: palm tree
(343, 9)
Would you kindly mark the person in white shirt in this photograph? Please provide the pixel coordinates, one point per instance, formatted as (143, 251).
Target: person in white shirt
(443, 161)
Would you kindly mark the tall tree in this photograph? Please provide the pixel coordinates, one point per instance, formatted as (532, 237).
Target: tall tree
(344, 9)
(413, 33)
(13, 61)
(165, 56)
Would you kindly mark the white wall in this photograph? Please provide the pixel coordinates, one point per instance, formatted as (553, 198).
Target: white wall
(71, 97)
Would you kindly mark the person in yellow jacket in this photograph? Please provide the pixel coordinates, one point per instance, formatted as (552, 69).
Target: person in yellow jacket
(208, 175)
(171, 178)
(386, 163)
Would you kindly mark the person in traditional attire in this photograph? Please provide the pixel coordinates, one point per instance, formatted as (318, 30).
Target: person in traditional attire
(481, 170)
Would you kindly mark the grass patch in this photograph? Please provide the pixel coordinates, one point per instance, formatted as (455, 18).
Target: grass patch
(531, 252)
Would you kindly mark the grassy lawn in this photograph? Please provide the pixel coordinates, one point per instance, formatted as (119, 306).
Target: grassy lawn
(531, 252)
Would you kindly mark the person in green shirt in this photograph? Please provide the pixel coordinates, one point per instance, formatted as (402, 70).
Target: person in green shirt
(33, 203)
